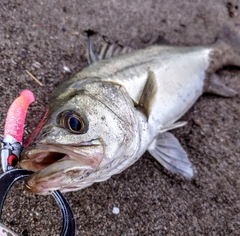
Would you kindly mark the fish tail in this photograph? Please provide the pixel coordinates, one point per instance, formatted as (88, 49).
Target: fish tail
(226, 52)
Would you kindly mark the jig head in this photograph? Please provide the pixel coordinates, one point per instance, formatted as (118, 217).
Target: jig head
(10, 152)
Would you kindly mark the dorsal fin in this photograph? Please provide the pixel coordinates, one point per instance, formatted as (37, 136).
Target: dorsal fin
(91, 55)
(112, 50)
(148, 94)
(107, 51)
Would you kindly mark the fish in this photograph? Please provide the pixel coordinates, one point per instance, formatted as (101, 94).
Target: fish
(103, 119)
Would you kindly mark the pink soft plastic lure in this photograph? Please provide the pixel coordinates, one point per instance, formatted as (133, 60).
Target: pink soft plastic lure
(14, 128)
(16, 115)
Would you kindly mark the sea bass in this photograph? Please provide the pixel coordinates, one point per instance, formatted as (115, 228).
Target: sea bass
(104, 118)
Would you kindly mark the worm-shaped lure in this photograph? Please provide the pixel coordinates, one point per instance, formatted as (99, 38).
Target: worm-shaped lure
(13, 130)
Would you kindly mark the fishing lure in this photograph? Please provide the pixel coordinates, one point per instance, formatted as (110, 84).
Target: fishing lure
(13, 130)
(10, 153)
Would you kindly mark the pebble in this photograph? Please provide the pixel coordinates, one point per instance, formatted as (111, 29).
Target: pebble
(115, 210)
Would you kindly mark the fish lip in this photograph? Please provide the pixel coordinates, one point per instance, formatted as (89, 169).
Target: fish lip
(38, 157)
(58, 176)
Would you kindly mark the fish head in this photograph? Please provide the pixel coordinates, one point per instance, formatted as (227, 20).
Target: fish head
(84, 130)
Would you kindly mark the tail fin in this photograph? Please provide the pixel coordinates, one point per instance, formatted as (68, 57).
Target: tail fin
(226, 52)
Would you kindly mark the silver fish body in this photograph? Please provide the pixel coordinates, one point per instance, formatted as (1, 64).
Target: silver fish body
(103, 119)
(179, 73)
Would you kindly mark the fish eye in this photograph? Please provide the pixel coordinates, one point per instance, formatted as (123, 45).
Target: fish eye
(73, 122)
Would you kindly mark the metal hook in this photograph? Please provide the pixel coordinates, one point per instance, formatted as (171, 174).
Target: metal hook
(8, 178)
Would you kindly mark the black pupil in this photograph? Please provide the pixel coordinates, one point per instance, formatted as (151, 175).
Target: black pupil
(75, 124)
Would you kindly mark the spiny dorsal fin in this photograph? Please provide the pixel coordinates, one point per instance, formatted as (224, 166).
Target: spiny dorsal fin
(91, 55)
(148, 94)
(107, 51)
(112, 50)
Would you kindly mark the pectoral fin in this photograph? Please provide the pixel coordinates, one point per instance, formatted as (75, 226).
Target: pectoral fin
(148, 95)
(169, 152)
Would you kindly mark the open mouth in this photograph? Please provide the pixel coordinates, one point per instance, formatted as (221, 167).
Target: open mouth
(60, 167)
(41, 156)
(45, 159)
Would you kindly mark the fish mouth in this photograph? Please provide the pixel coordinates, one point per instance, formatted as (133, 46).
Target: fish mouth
(57, 167)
